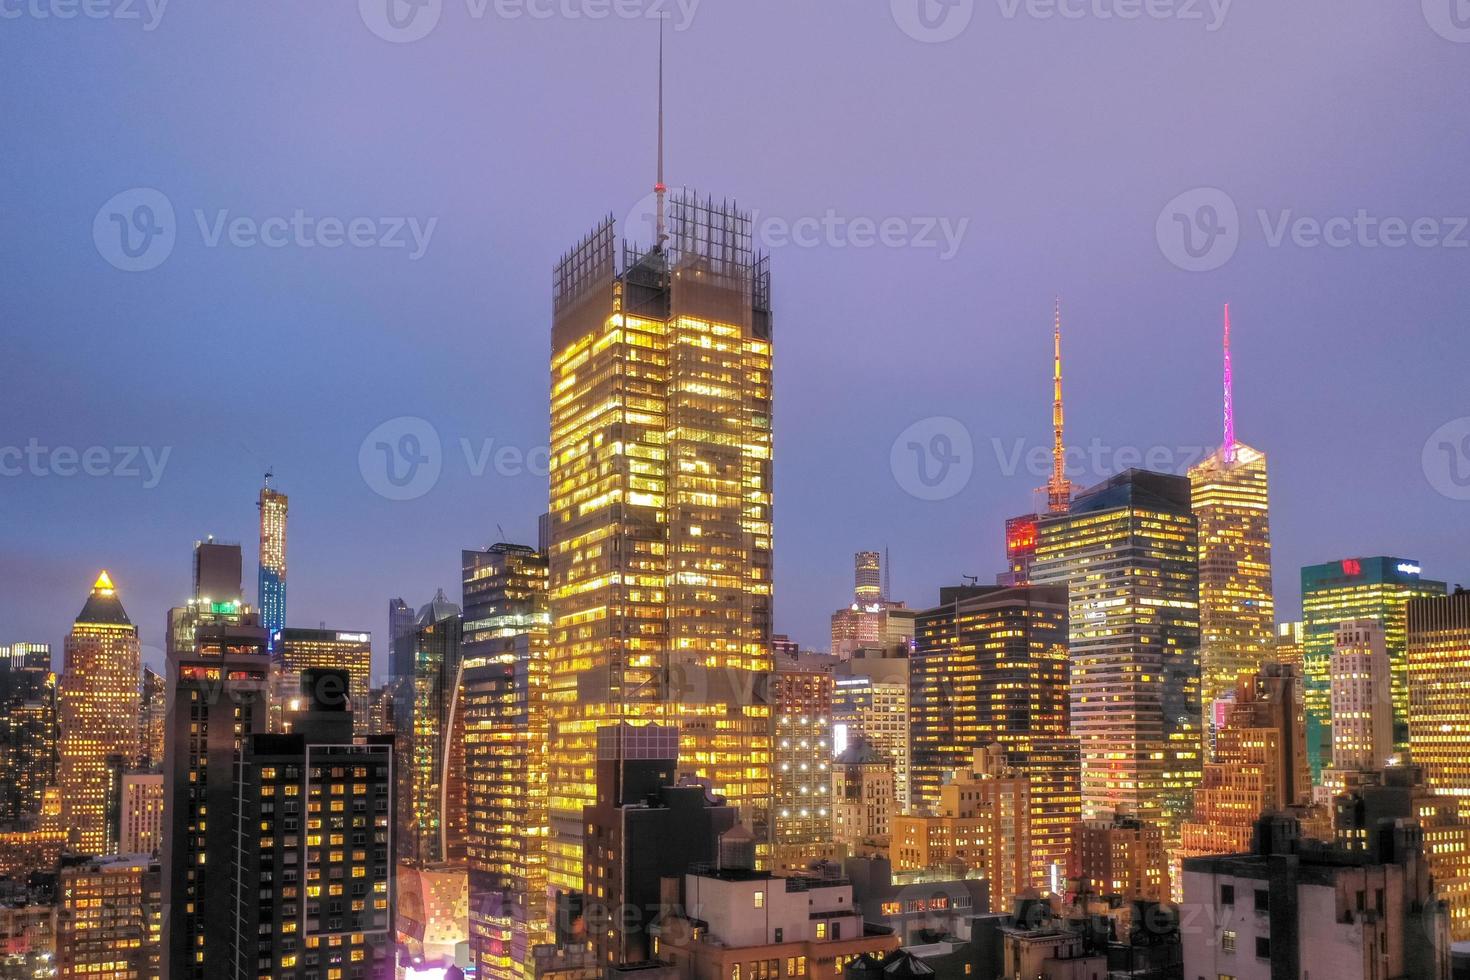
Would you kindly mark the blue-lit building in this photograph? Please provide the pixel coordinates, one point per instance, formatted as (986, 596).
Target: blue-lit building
(272, 580)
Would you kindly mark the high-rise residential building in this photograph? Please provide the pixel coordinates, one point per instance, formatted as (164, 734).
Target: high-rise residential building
(872, 703)
(99, 708)
(983, 823)
(644, 831)
(503, 691)
(219, 695)
(313, 870)
(863, 798)
(1362, 706)
(430, 800)
(1260, 765)
(1356, 589)
(351, 651)
(1438, 660)
(800, 694)
(1293, 907)
(153, 719)
(1128, 553)
(990, 667)
(1120, 855)
(27, 729)
(661, 507)
(109, 917)
(271, 594)
(1230, 495)
(140, 813)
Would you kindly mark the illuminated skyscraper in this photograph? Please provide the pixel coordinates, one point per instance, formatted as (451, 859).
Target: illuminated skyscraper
(1438, 654)
(801, 776)
(153, 720)
(503, 692)
(1362, 710)
(351, 651)
(1229, 492)
(430, 787)
(990, 668)
(1128, 553)
(867, 577)
(272, 583)
(27, 729)
(99, 710)
(661, 507)
(1354, 589)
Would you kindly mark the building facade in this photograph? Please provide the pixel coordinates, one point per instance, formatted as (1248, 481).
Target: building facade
(801, 696)
(1438, 667)
(864, 803)
(350, 651)
(27, 729)
(271, 581)
(660, 517)
(109, 918)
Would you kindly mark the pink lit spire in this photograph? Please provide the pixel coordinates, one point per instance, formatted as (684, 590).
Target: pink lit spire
(1227, 448)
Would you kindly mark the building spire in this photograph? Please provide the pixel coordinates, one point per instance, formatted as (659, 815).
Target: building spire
(660, 190)
(1058, 487)
(1227, 451)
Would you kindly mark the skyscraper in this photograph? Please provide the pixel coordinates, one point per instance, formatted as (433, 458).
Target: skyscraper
(867, 577)
(801, 776)
(503, 692)
(272, 580)
(217, 571)
(400, 638)
(99, 710)
(153, 719)
(1438, 655)
(1352, 589)
(218, 693)
(350, 651)
(1229, 492)
(990, 668)
(1127, 551)
(27, 729)
(430, 787)
(661, 506)
(1362, 709)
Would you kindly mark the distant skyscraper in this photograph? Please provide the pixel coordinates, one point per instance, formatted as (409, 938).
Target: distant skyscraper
(219, 694)
(503, 695)
(1438, 654)
(1352, 589)
(1128, 553)
(867, 577)
(99, 711)
(872, 621)
(351, 651)
(661, 506)
(400, 638)
(27, 729)
(1230, 495)
(272, 590)
(1362, 708)
(430, 787)
(153, 719)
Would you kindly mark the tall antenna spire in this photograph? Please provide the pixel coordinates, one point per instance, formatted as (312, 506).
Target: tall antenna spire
(1227, 448)
(887, 581)
(1058, 488)
(660, 190)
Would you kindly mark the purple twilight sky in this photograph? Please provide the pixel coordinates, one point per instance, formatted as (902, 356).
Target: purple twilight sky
(1149, 161)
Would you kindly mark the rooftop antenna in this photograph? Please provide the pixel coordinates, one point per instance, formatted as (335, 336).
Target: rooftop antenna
(1228, 451)
(502, 532)
(1058, 487)
(887, 576)
(660, 190)
(268, 475)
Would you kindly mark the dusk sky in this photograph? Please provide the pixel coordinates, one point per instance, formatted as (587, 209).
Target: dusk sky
(1030, 155)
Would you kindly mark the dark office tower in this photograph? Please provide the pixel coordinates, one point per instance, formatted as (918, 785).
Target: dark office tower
(1128, 552)
(272, 578)
(350, 651)
(990, 668)
(217, 571)
(314, 862)
(643, 829)
(503, 694)
(424, 706)
(1356, 589)
(27, 729)
(218, 698)
(98, 702)
(400, 638)
(661, 496)
(153, 720)
(801, 772)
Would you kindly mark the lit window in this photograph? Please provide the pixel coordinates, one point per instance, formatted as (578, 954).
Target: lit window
(760, 900)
